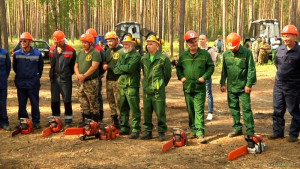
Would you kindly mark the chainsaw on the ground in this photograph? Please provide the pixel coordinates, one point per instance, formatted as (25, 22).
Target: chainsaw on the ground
(55, 125)
(108, 132)
(255, 145)
(89, 129)
(25, 127)
(179, 139)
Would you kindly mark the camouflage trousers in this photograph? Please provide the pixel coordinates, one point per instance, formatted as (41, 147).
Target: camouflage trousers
(113, 97)
(262, 57)
(88, 96)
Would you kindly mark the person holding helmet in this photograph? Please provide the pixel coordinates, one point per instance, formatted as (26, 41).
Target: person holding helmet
(28, 65)
(113, 54)
(5, 67)
(62, 61)
(157, 73)
(101, 70)
(286, 92)
(87, 72)
(194, 67)
(239, 70)
(129, 69)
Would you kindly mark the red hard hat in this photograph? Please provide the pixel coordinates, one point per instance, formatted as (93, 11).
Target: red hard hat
(233, 40)
(26, 36)
(289, 29)
(190, 35)
(92, 32)
(87, 38)
(58, 36)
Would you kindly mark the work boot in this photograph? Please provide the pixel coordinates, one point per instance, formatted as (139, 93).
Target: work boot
(134, 135)
(147, 135)
(235, 133)
(274, 136)
(161, 136)
(201, 140)
(82, 123)
(37, 126)
(292, 139)
(115, 121)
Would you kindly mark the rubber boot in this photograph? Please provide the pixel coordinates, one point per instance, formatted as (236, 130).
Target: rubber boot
(82, 123)
(115, 121)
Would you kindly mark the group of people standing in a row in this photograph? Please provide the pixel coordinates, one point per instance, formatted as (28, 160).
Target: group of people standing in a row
(123, 65)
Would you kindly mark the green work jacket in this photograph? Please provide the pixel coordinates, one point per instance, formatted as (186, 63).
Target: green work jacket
(239, 70)
(194, 67)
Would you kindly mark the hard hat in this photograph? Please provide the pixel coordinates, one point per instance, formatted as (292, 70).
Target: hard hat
(87, 38)
(130, 38)
(153, 38)
(111, 35)
(190, 35)
(26, 36)
(289, 29)
(92, 32)
(233, 40)
(58, 36)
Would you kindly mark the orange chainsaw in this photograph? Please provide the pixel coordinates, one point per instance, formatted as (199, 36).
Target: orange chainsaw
(55, 125)
(88, 131)
(179, 139)
(109, 132)
(25, 127)
(255, 145)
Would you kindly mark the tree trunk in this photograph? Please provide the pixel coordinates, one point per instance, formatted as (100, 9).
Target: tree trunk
(298, 21)
(292, 11)
(181, 25)
(86, 15)
(238, 20)
(250, 13)
(141, 11)
(171, 16)
(96, 16)
(203, 19)
(224, 21)
(46, 20)
(4, 34)
(276, 10)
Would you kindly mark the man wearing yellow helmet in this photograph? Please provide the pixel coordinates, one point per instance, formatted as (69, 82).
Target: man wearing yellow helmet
(157, 73)
(129, 69)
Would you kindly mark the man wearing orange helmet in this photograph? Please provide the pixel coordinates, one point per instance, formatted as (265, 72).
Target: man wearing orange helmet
(194, 67)
(113, 54)
(239, 70)
(129, 69)
(62, 61)
(87, 72)
(101, 70)
(286, 94)
(28, 65)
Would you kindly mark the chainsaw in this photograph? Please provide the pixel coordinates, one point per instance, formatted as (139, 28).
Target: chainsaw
(255, 145)
(25, 127)
(109, 132)
(179, 139)
(89, 131)
(55, 125)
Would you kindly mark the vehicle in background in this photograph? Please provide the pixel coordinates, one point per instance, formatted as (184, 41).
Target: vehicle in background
(40, 45)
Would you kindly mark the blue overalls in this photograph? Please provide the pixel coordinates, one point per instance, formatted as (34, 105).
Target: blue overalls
(287, 90)
(28, 68)
(5, 67)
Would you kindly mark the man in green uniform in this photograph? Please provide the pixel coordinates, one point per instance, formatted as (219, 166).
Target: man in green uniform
(87, 72)
(239, 70)
(194, 67)
(113, 54)
(129, 69)
(157, 73)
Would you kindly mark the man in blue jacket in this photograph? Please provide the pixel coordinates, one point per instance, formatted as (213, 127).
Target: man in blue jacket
(5, 67)
(28, 65)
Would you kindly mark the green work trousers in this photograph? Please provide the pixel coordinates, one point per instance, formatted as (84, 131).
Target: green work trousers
(130, 100)
(155, 102)
(233, 103)
(195, 104)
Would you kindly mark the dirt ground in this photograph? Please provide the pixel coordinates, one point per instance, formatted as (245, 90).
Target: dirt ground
(60, 151)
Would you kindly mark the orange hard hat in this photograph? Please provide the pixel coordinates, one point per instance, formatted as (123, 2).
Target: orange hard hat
(190, 35)
(87, 38)
(58, 36)
(289, 29)
(92, 32)
(26, 36)
(233, 40)
(111, 35)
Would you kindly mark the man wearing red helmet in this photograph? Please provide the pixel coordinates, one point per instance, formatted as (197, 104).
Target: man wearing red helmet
(28, 65)
(239, 70)
(286, 94)
(194, 67)
(87, 72)
(62, 61)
